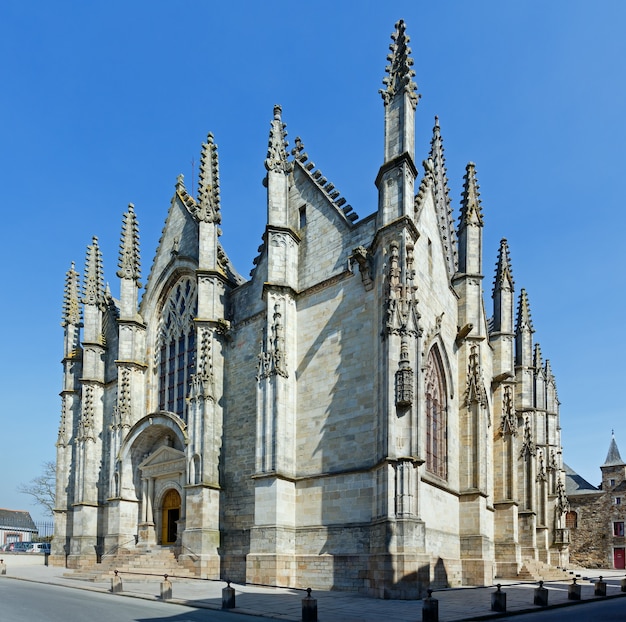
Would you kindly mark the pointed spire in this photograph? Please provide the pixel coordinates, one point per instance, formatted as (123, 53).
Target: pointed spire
(93, 292)
(524, 321)
(277, 147)
(504, 274)
(129, 263)
(537, 358)
(471, 210)
(400, 78)
(613, 458)
(549, 373)
(208, 208)
(442, 199)
(71, 301)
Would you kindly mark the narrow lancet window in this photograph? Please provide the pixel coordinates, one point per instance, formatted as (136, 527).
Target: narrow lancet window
(436, 416)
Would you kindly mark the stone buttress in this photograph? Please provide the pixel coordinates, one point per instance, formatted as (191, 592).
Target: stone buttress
(272, 538)
(475, 418)
(88, 430)
(70, 412)
(397, 541)
(504, 430)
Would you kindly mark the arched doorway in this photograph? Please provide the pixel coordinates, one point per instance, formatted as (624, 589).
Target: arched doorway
(170, 513)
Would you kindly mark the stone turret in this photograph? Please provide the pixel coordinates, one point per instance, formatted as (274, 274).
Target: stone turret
(614, 468)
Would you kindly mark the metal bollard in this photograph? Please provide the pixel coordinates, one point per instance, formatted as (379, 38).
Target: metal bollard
(228, 597)
(116, 584)
(309, 607)
(573, 591)
(600, 588)
(166, 588)
(498, 600)
(430, 608)
(541, 596)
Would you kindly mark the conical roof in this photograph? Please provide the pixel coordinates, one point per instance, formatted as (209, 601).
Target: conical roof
(613, 458)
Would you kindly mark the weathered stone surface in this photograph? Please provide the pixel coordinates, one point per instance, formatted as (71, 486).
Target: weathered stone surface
(351, 417)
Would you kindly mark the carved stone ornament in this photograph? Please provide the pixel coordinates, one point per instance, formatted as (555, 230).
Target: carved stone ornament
(562, 502)
(272, 357)
(401, 74)
(528, 445)
(404, 377)
(277, 147)
(362, 258)
(507, 423)
(401, 316)
(86, 422)
(541, 469)
(475, 392)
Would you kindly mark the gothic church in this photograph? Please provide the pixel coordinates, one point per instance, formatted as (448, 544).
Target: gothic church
(355, 416)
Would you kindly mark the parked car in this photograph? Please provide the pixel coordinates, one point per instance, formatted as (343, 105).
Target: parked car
(38, 547)
(21, 547)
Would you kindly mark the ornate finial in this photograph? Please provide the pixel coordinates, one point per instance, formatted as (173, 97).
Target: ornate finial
(524, 320)
(538, 360)
(504, 275)
(71, 302)
(129, 263)
(277, 146)
(298, 150)
(208, 208)
(93, 293)
(471, 210)
(400, 78)
(436, 164)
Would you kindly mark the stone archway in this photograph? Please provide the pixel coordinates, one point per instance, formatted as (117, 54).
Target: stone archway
(170, 514)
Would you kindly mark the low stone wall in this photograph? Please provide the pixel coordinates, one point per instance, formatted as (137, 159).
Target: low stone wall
(23, 559)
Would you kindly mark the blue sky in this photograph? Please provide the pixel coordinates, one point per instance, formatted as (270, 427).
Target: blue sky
(105, 103)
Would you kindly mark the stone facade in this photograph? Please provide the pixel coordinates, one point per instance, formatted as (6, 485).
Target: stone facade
(597, 515)
(350, 417)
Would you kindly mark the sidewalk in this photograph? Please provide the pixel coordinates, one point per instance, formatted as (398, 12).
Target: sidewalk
(286, 604)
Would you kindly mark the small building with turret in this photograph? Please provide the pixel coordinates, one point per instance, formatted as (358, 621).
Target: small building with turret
(363, 413)
(597, 515)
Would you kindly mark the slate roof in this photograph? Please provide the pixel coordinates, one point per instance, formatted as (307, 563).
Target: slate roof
(16, 519)
(577, 485)
(613, 458)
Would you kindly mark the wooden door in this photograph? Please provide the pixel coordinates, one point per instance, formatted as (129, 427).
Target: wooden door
(619, 559)
(170, 513)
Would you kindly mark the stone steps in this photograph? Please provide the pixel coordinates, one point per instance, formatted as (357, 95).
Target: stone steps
(134, 565)
(535, 570)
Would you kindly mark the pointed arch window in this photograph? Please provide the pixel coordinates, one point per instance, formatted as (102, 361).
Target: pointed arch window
(436, 416)
(176, 346)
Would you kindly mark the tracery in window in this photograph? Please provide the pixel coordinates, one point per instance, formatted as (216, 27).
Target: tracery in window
(176, 346)
(436, 416)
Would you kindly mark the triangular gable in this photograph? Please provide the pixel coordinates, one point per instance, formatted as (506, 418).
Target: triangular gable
(164, 460)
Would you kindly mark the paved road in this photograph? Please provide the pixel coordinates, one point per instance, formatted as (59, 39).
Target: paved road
(605, 611)
(22, 601)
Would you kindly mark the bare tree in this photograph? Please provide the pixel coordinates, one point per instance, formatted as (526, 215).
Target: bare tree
(42, 487)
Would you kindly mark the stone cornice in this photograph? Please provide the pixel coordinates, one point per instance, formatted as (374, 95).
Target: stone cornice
(394, 163)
